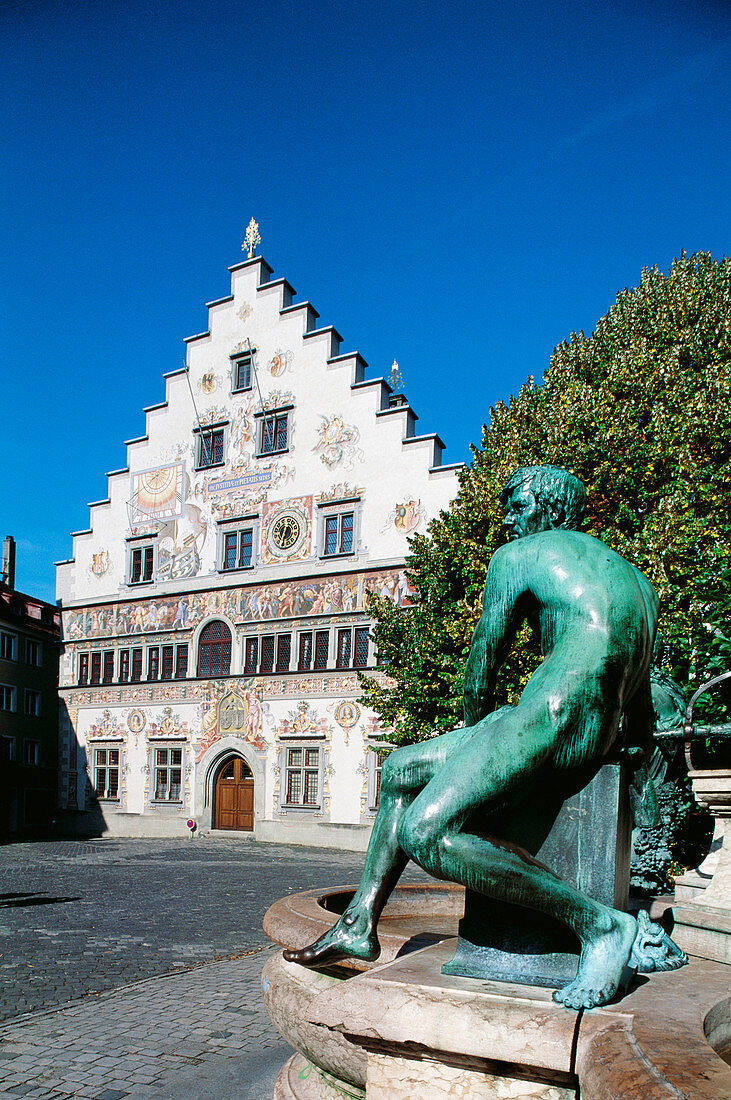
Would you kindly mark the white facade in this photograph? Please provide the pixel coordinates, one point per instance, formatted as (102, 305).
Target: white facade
(274, 488)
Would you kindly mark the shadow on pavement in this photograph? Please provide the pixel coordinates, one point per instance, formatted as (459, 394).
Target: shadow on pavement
(17, 901)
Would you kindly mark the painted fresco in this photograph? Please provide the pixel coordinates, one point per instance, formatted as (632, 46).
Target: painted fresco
(337, 443)
(341, 491)
(99, 563)
(169, 725)
(280, 362)
(106, 728)
(156, 494)
(255, 603)
(406, 516)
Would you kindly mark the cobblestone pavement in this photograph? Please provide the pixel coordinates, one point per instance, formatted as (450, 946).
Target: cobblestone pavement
(199, 1034)
(130, 968)
(83, 917)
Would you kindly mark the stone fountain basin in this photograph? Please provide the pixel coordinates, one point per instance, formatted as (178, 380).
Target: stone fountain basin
(671, 1036)
(415, 916)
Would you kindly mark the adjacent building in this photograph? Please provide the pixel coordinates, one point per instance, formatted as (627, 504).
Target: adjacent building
(215, 612)
(30, 632)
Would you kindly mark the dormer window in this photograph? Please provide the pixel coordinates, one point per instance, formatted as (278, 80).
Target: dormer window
(241, 372)
(210, 449)
(273, 431)
(141, 564)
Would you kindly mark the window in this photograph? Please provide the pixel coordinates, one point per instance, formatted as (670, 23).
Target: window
(108, 673)
(181, 662)
(210, 448)
(31, 753)
(214, 650)
(96, 668)
(136, 665)
(267, 653)
(32, 703)
(305, 653)
(153, 662)
(322, 648)
(238, 549)
(375, 765)
(142, 562)
(168, 774)
(360, 654)
(344, 646)
(338, 531)
(83, 669)
(241, 373)
(284, 652)
(7, 749)
(353, 644)
(302, 776)
(106, 773)
(168, 654)
(273, 433)
(7, 697)
(123, 666)
(7, 645)
(252, 655)
(33, 652)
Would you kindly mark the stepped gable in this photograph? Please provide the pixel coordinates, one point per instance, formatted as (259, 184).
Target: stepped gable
(343, 427)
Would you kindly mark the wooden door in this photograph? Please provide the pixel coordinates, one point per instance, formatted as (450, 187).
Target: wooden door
(234, 796)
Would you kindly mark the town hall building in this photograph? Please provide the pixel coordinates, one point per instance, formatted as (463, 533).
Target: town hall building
(215, 612)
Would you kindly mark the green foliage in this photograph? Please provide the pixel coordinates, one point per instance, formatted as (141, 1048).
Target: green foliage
(641, 412)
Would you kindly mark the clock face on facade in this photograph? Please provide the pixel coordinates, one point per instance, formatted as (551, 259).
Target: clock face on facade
(286, 534)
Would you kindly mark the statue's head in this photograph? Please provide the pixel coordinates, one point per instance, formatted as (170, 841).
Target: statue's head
(542, 498)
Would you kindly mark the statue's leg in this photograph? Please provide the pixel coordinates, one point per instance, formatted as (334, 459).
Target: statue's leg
(405, 772)
(505, 775)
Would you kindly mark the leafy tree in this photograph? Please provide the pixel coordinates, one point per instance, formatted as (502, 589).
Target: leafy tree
(641, 412)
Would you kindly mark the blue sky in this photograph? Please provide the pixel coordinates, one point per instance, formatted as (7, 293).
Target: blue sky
(454, 186)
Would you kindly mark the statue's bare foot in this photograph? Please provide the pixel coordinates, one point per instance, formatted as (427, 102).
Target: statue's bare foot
(350, 937)
(603, 966)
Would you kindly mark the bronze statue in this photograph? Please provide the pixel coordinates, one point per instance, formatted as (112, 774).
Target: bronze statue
(473, 805)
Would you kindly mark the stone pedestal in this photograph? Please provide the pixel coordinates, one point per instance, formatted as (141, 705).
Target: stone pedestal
(703, 920)
(588, 846)
(430, 1036)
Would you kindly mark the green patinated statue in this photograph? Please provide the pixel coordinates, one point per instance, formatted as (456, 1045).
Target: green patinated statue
(473, 805)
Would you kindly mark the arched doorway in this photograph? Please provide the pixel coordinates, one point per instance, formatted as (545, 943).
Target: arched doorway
(233, 799)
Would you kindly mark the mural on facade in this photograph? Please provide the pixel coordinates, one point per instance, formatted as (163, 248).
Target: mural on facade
(99, 563)
(106, 728)
(156, 494)
(337, 443)
(346, 714)
(341, 491)
(391, 584)
(244, 311)
(346, 593)
(406, 516)
(303, 721)
(210, 382)
(169, 725)
(238, 713)
(280, 362)
(180, 544)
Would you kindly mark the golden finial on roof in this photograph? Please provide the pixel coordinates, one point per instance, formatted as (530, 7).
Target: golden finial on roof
(395, 378)
(251, 239)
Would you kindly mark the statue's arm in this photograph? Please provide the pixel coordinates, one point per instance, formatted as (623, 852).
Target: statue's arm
(493, 635)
